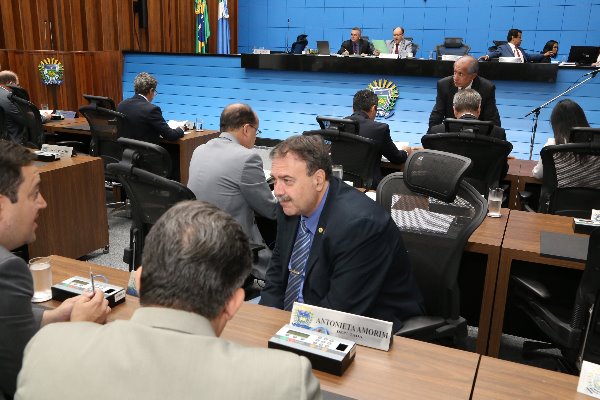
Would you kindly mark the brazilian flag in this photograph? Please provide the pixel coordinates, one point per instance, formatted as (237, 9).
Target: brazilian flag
(202, 26)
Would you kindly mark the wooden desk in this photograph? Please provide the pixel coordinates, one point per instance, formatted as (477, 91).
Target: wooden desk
(503, 380)
(75, 222)
(519, 174)
(411, 369)
(487, 240)
(522, 242)
(184, 147)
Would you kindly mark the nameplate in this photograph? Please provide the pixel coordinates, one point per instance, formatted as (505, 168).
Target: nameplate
(364, 331)
(385, 55)
(59, 151)
(261, 51)
(589, 379)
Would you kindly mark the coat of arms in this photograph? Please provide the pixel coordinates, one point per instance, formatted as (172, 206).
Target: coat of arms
(387, 94)
(51, 71)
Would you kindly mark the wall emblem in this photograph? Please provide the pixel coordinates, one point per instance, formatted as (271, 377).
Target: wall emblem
(387, 93)
(52, 71)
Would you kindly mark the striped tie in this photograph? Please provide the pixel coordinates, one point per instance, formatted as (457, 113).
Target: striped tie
(297, 265)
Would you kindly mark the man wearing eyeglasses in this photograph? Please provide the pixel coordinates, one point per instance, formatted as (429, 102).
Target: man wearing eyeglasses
(228, 173)
(144, 120)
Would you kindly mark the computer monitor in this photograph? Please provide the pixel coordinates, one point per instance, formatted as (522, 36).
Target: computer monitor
(583, 55)
(468, 125)
(101, 101)
(323, 47)
(339, 124)
(584, 135)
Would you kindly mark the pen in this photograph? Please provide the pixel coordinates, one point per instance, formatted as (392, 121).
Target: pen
(92, 279)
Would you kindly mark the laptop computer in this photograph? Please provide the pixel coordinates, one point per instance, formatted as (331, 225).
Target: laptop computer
(583, 55)
(323, 47)
(380, 46)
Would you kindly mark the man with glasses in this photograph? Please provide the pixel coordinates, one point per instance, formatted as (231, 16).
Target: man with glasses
(228, 173)
(144, 120)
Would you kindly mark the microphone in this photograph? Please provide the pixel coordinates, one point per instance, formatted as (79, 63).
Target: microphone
(594, 72)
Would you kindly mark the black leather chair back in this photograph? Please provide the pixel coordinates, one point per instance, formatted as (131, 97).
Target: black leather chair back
(571, 182)
(488, 155)
(148, 156)
(33, 134)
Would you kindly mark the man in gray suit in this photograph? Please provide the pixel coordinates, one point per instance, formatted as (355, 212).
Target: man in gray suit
(195, 260)
(20, 203)
(227, 172)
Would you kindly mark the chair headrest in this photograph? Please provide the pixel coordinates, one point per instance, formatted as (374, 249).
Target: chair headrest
(453, 42)
(301, 37)
(435, 173)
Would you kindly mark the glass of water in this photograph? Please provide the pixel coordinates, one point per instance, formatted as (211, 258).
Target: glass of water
(41, 272)
(495, 202)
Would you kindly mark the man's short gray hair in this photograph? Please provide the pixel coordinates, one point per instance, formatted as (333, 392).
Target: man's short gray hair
(144, 82)
(466, 100)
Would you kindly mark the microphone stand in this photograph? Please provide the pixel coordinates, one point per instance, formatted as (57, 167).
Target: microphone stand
(287, 40)
(536, 110)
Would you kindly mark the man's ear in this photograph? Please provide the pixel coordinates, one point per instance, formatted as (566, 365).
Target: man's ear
(319, 179)
(233, 304)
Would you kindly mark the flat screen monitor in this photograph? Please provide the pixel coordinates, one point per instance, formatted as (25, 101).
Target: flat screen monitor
(339, 124)
(468, 125)
(323, 47)
(584, 135)
(100, 101)
(583, 55)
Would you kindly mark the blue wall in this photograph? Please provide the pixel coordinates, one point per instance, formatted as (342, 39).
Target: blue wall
(287, 102)
(264, 23)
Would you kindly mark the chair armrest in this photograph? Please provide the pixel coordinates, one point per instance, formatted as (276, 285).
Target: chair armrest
(524, 197)
(531, 286)
(421, 326)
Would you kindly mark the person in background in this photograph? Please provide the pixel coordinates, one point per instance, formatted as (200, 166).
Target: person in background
(20, 203)
(335, 247)
(551, 47)
(399, 45)
(513, 49)
(566, 114)
(364, 107)
(465, 76)
(356, 45)
(467, 106)
(15, 122)
(143, 120)
(195, 260)
(228, 173)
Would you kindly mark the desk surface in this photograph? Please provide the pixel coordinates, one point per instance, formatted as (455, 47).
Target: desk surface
(183, 147)
(499, 380)
(411, 369)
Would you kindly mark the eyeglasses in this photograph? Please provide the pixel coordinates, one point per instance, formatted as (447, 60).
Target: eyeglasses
(258, 131)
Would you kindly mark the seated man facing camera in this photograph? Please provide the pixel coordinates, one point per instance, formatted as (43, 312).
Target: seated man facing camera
(195, 260)
(335, 247)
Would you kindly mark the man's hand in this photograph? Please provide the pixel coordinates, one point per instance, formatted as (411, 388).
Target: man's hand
(407, 149)
(345, 53)
(61, 313)
(91, 307)
(484, 57)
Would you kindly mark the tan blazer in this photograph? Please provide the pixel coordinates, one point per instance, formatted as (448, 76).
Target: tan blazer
(159, 354)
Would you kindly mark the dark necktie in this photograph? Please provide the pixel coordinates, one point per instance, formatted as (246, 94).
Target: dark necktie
(297, 265)
(356, 48)
(396, 52)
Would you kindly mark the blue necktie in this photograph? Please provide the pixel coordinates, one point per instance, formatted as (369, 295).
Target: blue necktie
(297, 265)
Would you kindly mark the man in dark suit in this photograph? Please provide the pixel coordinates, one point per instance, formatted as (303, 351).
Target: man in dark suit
(335, 247)
(467, 106)
(364, 107)
(144, 120)
(356, 45)
(20, 203)
(513, 49)
(465, 77)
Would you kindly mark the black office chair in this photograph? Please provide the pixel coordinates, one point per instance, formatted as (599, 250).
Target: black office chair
(358, 155)
(452, 46)
(584, 135)
(3, 134)
(468, 125)
(104, 130)
(150, 196)
(571, 181)
(299, 45)
(148, 156)
(437, 211)
(33, 133)
(561, 322)
(496, 44)
(19, 92)
(488, 155)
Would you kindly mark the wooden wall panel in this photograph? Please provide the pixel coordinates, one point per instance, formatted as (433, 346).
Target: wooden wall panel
(97, 73)
(106, 25)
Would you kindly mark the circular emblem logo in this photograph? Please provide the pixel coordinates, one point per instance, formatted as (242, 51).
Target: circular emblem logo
(387, 94)
(52, 71)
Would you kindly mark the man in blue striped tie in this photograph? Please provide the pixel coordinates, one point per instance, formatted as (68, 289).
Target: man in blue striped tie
(335, 247)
